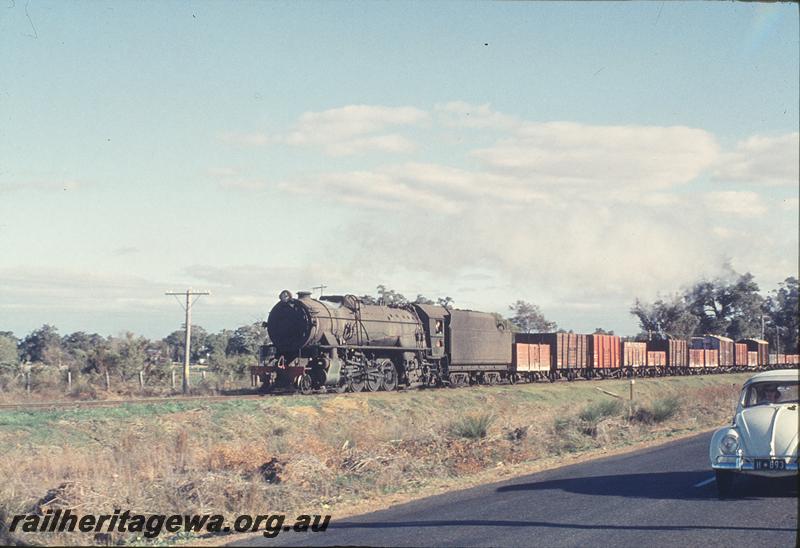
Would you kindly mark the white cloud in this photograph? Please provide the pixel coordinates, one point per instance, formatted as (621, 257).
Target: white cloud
(355, 128)
(737, 203)
(382, 143)
(762, 160)
(567, 153)
(443, 189)
(463, 114)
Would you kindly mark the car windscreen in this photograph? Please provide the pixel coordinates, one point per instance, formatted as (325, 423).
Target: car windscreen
(772, 392)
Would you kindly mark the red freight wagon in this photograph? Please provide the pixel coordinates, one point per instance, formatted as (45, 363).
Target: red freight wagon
(677, 351)
(740, 354)
(721, 346)
(531, 357)
(634, 354)
(567, 350)
(759, 346)
(697, 357)
(656, 358)
(603, 351)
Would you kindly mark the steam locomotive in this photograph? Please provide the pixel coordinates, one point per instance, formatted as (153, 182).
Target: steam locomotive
(341, 343)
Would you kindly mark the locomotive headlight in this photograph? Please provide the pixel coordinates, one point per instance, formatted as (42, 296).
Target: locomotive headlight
(285, 296)
(729, 444)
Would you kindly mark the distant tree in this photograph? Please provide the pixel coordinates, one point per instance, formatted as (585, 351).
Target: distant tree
(732, 308)
(390, 296)
(665, 318)
(77, 347)
(421, 299)
(601, 331)
(783, 312)
(177, 339)
(246, 340)
(42, 345)
(529, 318)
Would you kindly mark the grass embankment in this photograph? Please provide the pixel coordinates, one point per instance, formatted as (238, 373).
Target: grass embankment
(329, 454)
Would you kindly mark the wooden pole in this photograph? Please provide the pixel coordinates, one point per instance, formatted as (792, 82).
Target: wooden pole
(108, 381)
(173, 379)
(28, 382)
(141, 380)
(188, 338)
(69, 380)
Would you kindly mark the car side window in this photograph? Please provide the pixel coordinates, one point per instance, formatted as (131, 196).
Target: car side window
(765, 393)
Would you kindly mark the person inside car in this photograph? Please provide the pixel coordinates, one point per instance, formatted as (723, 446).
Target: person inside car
(769, 394)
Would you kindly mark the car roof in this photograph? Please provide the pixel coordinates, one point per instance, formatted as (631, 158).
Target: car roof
(779, 375)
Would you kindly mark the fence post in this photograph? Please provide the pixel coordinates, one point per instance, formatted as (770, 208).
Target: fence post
(203, 374)
(69, 380)
(141, 380)
(28, 382)
(108, 381)
(173, 379)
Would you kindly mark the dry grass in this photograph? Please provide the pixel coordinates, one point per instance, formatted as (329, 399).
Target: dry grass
(319, 454)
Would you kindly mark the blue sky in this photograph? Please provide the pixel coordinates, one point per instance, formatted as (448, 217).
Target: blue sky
(575, 155)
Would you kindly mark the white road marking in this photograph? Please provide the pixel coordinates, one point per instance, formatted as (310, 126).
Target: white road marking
(706, 482)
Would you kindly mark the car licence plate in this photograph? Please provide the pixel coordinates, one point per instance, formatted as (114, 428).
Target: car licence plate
(769, 464)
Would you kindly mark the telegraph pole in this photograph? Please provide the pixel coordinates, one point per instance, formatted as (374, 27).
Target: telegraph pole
(188, 308)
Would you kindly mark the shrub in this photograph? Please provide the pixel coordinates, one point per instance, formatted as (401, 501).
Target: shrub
(659, 411)
(595, 412)
(472, 427)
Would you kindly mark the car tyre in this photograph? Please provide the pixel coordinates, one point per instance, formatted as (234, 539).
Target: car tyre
(724, 483)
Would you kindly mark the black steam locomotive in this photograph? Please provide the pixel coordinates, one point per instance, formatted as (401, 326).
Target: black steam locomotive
(341, 343)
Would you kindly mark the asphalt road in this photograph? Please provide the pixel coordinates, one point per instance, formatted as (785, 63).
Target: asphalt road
(662, 496)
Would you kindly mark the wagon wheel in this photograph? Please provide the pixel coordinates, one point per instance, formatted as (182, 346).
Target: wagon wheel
(304, 384)
(342, 387)
(389, 375)
(512, 378)
(374, 378)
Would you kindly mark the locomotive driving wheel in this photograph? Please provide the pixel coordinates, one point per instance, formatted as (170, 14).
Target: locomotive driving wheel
(304, 384)
(389, 374)
(355, 383)
(374, 376)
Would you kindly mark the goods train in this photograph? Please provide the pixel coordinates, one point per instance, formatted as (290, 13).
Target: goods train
(341, 343)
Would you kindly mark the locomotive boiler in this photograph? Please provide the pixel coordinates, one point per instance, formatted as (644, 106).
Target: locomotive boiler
(344, 344)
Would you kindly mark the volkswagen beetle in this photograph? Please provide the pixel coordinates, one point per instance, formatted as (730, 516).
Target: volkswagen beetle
(762, 441)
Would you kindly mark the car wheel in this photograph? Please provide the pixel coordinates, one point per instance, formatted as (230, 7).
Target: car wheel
(724, 483)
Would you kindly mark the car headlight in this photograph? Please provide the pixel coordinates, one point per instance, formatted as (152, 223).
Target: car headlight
(729, 444)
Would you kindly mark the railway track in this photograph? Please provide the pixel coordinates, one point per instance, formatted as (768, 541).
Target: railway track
(66, 404)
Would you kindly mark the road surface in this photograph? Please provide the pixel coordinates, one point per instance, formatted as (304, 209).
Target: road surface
(663, 496)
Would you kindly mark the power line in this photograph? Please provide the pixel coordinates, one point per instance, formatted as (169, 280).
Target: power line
(188, 308)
